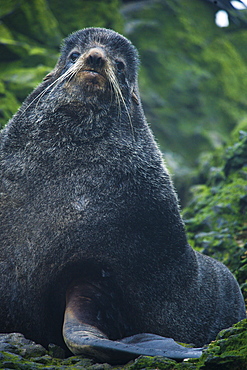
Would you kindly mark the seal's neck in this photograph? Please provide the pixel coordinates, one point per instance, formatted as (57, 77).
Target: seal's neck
(76, 124)
(52, 127)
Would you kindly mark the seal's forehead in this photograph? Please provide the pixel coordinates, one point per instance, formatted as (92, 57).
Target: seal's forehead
(88, 37)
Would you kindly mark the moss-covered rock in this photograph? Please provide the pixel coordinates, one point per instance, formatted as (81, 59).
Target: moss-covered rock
(216, 216)
(228, 351)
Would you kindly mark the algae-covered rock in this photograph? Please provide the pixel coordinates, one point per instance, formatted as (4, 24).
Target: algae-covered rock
(17, 352)
(162, 363)
(228, 351)
(18, 344)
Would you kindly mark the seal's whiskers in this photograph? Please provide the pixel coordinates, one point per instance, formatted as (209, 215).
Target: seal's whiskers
(69, 73)
(119, 96)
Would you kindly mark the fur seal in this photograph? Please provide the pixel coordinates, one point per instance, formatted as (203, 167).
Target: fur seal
(91, 235)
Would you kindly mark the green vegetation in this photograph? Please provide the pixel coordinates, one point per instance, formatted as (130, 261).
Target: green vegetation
(216, 216)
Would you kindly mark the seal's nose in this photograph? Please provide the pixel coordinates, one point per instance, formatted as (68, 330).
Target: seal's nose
(96, 58)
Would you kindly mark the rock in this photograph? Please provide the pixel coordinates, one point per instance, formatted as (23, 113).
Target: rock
(146, 362)
(18, 344)
(228, 351)
(56, 351)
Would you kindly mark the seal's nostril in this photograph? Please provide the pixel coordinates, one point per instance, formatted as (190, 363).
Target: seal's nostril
(95, 59)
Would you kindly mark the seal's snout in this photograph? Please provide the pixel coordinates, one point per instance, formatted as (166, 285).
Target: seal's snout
(90, 72)
(96, 58)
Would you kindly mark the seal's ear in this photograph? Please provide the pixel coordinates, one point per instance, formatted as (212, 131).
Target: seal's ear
(135, 98)
(47, 77)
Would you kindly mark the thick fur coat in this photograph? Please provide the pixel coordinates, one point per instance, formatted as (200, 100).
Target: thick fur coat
(85, 193)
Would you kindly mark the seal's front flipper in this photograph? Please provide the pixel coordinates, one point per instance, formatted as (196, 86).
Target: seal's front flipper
(155, 345)
(83, 334)
(87, 340)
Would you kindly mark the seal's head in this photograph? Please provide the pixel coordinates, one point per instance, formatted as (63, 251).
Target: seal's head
(92, 89)
(96, 66)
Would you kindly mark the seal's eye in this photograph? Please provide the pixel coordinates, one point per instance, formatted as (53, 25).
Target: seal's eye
(120, 65)
(74, 56)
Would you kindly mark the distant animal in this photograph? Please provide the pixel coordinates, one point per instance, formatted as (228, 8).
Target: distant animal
(93, 248)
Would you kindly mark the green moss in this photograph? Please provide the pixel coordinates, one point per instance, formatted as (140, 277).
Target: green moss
(228, 351)
(7, 7)
(146, 362)
(16, 83)
(162, 363)
(13, 361)
(216, 216)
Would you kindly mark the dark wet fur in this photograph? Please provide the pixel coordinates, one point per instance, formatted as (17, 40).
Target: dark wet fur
(83, 184)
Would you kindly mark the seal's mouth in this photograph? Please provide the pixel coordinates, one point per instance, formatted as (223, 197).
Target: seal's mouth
(87, 81)
(90, 79)
(92, 72)
(93, 76)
